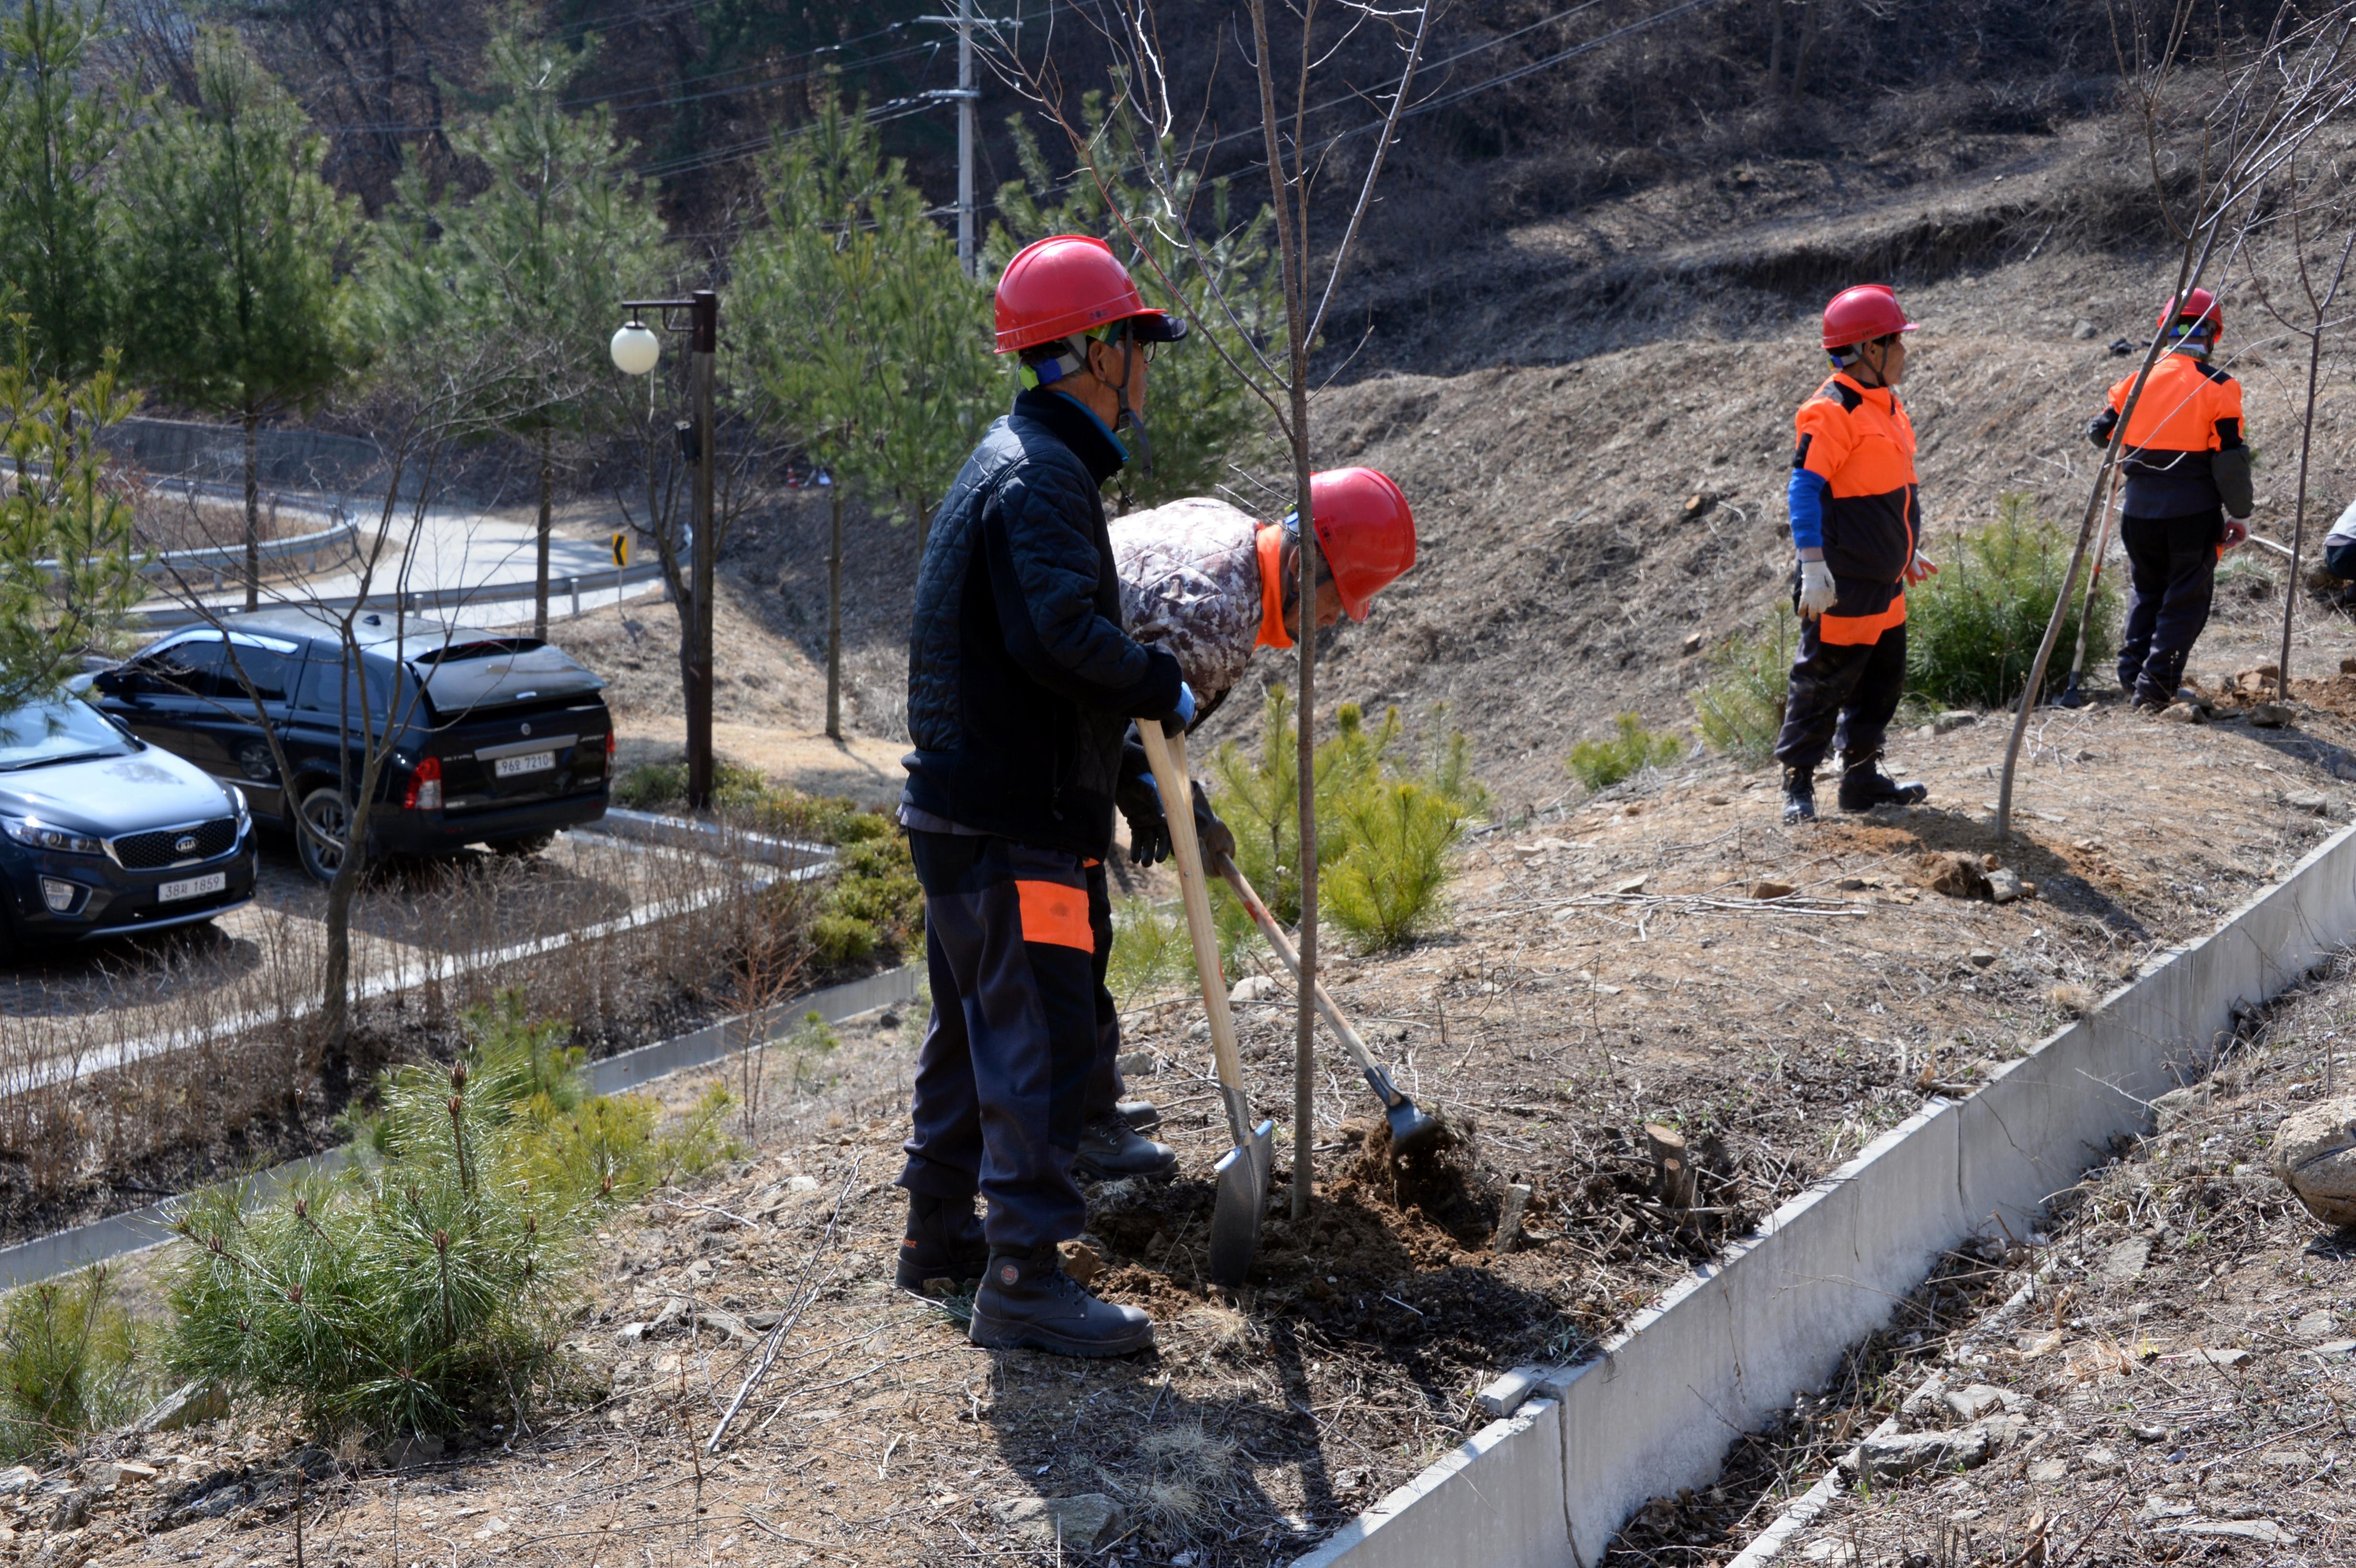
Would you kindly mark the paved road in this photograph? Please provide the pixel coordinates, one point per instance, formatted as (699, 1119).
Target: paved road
(490, 560)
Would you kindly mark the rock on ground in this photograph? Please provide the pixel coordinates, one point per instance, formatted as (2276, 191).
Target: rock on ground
(2314, 1157)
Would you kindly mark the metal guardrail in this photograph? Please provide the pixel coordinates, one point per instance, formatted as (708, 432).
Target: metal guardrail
(408, 600)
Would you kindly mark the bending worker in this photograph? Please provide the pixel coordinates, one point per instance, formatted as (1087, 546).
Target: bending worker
(1021, 687)
(1212, 586)
(1856, 522)
(2186, 467)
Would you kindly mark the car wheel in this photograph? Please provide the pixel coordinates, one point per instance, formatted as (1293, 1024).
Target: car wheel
(326, 810)
(527, 844)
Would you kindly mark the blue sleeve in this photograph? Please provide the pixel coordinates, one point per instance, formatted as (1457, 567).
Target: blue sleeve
(1806, 500)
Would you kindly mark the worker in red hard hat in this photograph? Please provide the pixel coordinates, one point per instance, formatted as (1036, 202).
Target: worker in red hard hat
(1021, 684)
(1856, 522)
(1213, 585)
(2187, 469)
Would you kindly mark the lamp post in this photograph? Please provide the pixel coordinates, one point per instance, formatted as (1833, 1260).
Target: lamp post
(636, 348)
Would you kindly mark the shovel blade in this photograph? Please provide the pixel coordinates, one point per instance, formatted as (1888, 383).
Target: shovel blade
(1241, 1186)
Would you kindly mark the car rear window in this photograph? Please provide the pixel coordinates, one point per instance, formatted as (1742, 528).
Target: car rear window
(347, 698)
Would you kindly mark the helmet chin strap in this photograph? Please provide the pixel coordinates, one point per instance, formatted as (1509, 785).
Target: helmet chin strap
(1129, 419)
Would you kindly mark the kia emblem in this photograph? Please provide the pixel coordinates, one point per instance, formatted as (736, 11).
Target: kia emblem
(527, 728)
(186, 844)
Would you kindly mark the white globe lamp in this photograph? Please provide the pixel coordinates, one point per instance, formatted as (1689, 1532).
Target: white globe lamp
(636, 348)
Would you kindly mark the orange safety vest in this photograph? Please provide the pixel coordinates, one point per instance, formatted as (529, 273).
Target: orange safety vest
(1858, 440)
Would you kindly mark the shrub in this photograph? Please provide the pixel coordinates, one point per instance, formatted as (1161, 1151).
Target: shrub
(1599, 764)
(873, 901)
(1150, 950)
(812, 1038)
(427, 1283)
(659, 786)
(1972, 632)
(1740, 710)
(70, 1363)
(1382, 854)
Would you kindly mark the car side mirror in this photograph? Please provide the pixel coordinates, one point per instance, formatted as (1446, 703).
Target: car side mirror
(113, 682)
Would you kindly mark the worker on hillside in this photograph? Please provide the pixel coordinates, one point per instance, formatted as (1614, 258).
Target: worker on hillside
(1213, 585)
(1858, 524)
(1021, 687)
(2186, 467)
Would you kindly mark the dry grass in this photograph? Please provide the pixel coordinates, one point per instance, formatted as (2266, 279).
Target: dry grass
(202, 1055)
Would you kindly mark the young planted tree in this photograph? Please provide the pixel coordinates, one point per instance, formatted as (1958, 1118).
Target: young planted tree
(1293, 86)
(867, 344)
(68, 568)
(2315, 207)
(234, 283)
(536, 263)
(56, 141)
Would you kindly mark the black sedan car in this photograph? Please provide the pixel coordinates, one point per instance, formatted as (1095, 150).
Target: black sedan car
(485, 740)
(101, 834)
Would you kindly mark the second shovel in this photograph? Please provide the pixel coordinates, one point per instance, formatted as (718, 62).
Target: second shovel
(1242, 1175)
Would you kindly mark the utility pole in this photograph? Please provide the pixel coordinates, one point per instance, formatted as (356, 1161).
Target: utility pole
(969, 102)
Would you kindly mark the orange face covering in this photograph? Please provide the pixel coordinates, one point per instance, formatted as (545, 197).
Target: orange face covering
(1271, 589)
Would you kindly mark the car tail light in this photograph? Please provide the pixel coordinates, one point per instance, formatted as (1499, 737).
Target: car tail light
(609, 745)
(424, 787)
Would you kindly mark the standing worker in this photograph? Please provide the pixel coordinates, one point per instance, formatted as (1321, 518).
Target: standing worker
(2186, 468)
(1020, 686)
(1213, 585)
(1858, 524)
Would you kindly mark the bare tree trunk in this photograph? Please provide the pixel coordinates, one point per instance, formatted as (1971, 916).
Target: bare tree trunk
(336, 980)
(1811, 29)
(834, 615)
(252, 513)
(540, 578)
(2299, 518)
(1775, 46)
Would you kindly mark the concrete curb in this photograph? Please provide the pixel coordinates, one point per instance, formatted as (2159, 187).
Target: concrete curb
(1726, 1348)
(694, 832)
(62, 1252)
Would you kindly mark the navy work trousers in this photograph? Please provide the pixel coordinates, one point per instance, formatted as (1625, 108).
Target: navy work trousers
(2172, 572)
(1012, 953)
(1842, 695)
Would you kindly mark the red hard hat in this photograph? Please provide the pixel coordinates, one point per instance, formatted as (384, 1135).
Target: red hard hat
(1068, 284)
(2200, 307)
(1364, 532)
(1867, 311)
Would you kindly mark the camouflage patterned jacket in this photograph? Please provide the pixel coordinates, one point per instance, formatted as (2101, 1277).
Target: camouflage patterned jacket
(1190, 583)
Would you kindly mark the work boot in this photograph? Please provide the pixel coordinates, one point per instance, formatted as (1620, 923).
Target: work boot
(944, 1242)
(1864, 786)
(1026, 1299)
(1143, 1115)
(1111, 1149)
(1799, 795)
(2151, 696)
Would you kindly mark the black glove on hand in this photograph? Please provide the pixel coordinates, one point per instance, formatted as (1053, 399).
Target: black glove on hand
(1149, 830)
(1214, 836)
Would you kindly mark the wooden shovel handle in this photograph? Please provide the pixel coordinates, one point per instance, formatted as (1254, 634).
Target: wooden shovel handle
(1168, 755)
(1274, 932)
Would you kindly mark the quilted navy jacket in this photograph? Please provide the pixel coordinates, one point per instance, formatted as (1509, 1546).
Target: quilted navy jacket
(1020, 680)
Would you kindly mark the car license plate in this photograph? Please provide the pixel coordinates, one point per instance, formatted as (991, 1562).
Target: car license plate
(192, 887)
(530, 762)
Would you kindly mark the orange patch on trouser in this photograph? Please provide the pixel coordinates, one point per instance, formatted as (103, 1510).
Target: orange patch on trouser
(1056, 914)
(1851, 631)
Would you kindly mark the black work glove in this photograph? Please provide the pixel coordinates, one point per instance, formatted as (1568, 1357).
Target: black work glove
(1149, 830)
(1215, 837)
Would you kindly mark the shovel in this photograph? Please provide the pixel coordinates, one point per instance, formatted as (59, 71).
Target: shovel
(1410, 1128)
(1242, 1175)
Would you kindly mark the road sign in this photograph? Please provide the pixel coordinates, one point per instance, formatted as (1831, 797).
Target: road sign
(621, 550)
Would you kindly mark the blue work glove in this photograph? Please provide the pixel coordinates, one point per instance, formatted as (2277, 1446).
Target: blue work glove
(1185, 704)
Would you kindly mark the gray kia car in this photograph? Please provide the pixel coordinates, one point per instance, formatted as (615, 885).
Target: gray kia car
(101, 834)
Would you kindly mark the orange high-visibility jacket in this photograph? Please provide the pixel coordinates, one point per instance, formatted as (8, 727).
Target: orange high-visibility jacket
(2188, 410)
(1858, 441)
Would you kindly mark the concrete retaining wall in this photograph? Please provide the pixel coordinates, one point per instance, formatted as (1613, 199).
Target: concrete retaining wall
(45, 1257)
(1727, 1348)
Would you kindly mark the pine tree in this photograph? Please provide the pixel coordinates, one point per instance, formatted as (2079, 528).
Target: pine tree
(535, 265)
(56, 141)
(232, 293)
(870, 346)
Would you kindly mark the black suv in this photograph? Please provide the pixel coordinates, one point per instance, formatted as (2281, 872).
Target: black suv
(493, 740)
